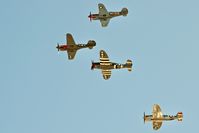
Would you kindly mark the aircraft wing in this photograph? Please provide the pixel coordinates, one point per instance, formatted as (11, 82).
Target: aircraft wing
(70, 40)
(157, 112)
(71, 54)
(103, 57)
(106, 74)
(156, 108)
(102, 10)
(105, 22)
(157, 125)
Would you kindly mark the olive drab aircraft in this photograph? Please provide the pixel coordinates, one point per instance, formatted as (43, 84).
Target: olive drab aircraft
(157, 117)
(71, 47)
(105, 65)
(104, 16)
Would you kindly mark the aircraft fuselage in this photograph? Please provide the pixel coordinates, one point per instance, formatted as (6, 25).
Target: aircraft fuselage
(163, 118)
(104, 16)
(71, 47)
(108, 66)
(65, 47)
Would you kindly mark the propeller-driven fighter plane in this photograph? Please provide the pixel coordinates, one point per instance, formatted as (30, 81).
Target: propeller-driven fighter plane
(71, 47)
(105, 65)
(104, 16)
(157, 117)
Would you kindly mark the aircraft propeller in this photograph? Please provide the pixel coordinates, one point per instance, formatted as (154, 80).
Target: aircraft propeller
(90, 17)
(57, 47)
(92, 66)
(144, 117)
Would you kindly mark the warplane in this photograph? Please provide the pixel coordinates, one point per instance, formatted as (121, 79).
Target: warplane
(157, 117)
(104, 16)
(105, 65)
(71, 47)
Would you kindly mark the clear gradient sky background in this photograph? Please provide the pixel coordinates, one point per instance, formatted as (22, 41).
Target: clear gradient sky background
(41, 91)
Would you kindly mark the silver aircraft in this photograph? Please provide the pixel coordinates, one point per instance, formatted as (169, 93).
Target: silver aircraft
(157, 117)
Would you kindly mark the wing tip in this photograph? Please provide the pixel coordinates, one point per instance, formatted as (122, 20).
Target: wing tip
(68, 34)
(102, 50)
(100, 4)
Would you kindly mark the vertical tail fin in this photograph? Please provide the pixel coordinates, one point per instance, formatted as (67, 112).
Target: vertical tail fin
(124, 11)
(129, 65)
(91, 44)
(179, 116)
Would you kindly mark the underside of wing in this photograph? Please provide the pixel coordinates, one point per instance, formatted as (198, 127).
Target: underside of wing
(102, 10)
(70, 40)
(105, 22)
(157, 112)
(157, 125)
(71, 54)
(103, 57)
(156, 108)
(106, 74)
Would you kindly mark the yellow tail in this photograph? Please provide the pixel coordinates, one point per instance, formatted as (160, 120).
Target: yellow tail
(129, 65)
(180, 116)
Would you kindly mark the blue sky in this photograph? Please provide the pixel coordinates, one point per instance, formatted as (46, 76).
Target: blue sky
(41, 91)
